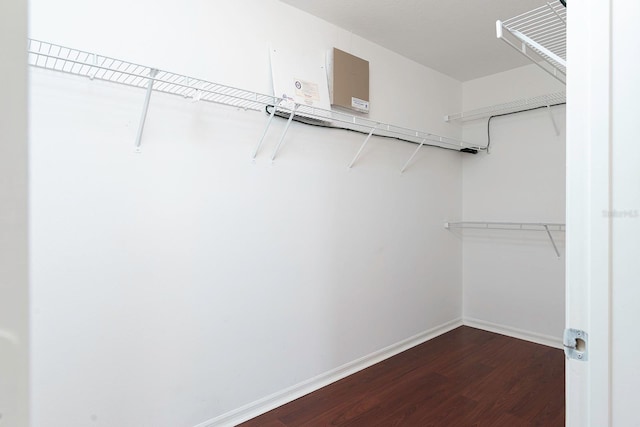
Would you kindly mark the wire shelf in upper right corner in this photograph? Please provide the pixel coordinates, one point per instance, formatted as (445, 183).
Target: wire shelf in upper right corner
(541, 36)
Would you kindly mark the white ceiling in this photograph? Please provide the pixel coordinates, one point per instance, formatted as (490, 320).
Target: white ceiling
(455, 37)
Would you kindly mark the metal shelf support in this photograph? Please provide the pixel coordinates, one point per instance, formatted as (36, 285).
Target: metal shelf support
(264, 134)
(364, 144)
(555, 248)
(284, 132)
(553, 120)
(145, 108)
(413, 155)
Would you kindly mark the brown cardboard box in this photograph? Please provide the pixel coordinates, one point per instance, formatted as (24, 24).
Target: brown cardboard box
(349, 81)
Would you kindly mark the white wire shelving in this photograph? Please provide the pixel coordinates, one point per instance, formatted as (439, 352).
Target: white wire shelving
(541, 36)
(547, 227)
(523, 104)
(63, 59)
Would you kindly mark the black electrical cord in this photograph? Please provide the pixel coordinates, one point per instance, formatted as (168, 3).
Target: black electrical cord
(508, 114)
(319, 123)
(564, 2)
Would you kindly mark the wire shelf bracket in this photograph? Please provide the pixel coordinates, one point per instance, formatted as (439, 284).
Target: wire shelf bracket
(522, 226)
(264, 134)
(284, 132)
(364, 144)
(81, 63)
(553, 121)
(412, 156)
(145, 108)
(541, 36)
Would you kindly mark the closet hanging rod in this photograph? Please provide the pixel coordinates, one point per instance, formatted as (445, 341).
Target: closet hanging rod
(55, 57)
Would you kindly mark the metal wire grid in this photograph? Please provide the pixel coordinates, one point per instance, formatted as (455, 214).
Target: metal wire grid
(546, 26)
(509, 107)
(540, 35)
(94, 66)
(493, 225)
(547, 227)
(81, 63)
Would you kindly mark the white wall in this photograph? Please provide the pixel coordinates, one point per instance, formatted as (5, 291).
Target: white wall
(513, 282)
(14, 292)
(175, 285)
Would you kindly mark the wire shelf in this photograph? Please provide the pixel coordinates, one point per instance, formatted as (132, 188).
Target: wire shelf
(63, 59)
(509, 107)
(494, 225)
(547, 227)
(87, 64)
(541, 36)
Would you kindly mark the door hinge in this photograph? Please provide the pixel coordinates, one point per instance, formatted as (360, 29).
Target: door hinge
(575, 344)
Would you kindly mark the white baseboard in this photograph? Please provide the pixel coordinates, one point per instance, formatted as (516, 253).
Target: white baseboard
(535, 337)
(287, 395)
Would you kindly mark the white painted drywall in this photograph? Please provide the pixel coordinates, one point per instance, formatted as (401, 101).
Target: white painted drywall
(175, 285)
(14, 291)
(513, 281)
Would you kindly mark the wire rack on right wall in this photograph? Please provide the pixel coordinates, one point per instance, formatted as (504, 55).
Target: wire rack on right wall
(541, 36)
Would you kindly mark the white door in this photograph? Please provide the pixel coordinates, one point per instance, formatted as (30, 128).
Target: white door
(603, 210)
(14, 295)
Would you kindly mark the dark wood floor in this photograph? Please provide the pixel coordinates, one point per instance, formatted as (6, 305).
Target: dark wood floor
(466, 377)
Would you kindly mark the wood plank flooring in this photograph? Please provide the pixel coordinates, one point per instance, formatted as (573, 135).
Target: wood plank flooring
(466, 377)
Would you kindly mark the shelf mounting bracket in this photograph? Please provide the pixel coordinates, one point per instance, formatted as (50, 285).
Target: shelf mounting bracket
(284, 132)
(413, 155)
(364, 144)
(145, 108)
(555, 248)
(553, 120)
(264, 134)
